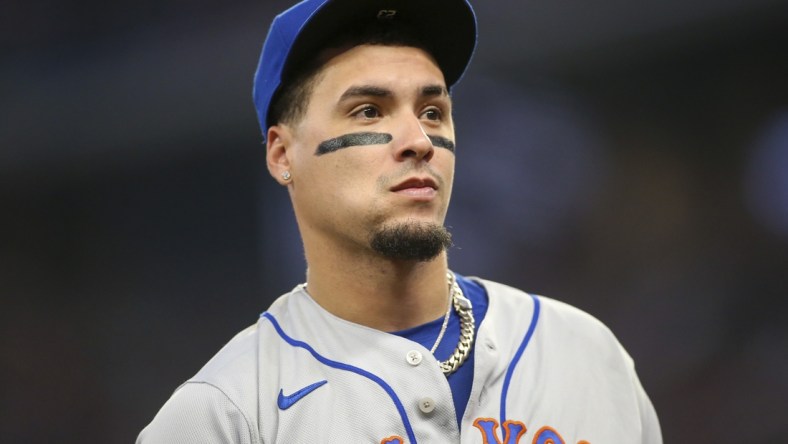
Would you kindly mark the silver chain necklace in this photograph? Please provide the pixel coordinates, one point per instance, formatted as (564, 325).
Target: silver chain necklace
(464, 309)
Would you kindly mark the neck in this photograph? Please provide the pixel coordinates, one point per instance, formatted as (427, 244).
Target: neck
(378, 292)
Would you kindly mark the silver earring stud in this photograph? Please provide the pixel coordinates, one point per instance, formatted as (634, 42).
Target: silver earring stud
(286, 175)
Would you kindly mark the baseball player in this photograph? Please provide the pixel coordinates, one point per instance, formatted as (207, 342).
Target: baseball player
(383, 343)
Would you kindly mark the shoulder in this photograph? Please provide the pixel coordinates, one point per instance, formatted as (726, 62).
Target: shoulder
(567, 351)
(219, 403)
(506, 297)
(199, 412)
(215, 405)
(555, 323)
(236, 360)
(235, 366)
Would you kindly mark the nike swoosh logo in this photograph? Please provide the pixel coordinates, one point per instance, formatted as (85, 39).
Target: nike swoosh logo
(286, 401)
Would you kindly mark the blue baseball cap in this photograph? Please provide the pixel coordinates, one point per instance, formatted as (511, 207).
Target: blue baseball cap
(299, 33)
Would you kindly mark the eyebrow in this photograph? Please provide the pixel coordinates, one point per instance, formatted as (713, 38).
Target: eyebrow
(365, 91)
(377, 91)
(434, 90)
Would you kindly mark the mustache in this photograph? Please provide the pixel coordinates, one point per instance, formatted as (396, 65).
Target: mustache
(370, 138)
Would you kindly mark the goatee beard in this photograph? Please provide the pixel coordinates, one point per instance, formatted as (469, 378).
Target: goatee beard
(411, 241)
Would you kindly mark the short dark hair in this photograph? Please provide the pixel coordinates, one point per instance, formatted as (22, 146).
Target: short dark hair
(291, 100)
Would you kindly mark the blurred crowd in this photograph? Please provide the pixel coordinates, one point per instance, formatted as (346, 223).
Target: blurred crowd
(641, 178)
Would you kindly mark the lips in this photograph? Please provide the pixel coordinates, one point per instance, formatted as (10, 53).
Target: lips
(418, 189)
(415, 183)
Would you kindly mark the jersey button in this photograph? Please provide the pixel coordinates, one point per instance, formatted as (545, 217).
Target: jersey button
(426, 405)
(413, 357)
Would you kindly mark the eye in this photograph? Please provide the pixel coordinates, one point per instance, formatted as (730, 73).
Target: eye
(367, 112)
(432, 114)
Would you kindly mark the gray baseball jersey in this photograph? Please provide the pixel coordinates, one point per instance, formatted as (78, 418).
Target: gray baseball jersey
(544, 373)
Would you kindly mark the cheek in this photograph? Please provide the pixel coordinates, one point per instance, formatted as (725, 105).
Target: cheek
(338, 179)
(355, 179)
(356, 163)
(445, 167)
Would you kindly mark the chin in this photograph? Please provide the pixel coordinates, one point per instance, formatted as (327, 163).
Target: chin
(411, 240)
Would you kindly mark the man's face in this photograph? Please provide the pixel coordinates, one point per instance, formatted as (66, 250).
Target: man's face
(375, 148)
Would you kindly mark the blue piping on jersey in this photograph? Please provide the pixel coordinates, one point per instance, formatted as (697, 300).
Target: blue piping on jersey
(517, 356)
(350, 368)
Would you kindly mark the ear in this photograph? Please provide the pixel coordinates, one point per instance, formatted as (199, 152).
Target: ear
(277, 152)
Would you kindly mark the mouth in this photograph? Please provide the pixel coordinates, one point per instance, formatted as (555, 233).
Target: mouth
(417, 187)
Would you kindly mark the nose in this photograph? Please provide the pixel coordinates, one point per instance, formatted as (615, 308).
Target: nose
(412, 142)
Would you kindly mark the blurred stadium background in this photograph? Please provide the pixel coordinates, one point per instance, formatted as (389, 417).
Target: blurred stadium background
(630, 158)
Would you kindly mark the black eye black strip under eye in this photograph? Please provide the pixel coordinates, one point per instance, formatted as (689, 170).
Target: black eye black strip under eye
(352, 139)
(442, 142)
(361, 139)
